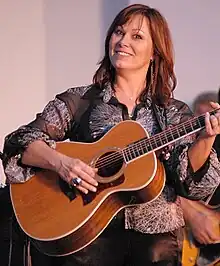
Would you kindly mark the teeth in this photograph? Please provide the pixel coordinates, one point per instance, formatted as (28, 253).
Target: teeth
(122, 53)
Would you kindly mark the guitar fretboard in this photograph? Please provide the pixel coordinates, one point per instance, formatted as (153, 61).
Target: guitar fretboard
(164, 138)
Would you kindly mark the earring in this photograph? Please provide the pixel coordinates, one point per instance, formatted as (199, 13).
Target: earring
(152, 74)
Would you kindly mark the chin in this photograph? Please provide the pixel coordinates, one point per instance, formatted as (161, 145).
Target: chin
(122, 65)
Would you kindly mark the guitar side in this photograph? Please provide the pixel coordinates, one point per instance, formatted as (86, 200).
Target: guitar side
(59, 226)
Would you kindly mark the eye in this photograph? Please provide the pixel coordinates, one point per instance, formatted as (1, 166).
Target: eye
(137, 36)
(118, 32)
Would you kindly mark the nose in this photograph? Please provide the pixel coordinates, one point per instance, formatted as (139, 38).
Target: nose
(124, 41)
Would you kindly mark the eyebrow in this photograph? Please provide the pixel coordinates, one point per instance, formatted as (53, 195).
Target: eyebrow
(136, 30)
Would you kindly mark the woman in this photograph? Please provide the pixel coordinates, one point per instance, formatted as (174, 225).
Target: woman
(135, 81)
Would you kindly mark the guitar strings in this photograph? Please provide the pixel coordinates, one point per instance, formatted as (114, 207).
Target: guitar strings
(162, 136)
(136, 147)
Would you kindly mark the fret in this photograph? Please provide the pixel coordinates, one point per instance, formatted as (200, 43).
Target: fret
(175, 133)
(191, 125)
(142, 148)
(156, 145)
(129, 153)
(182, 131)
(146, 147)
(178, 132)
(200, 122)
(125, 155)
(167, 139)
(149, 145)
(171, 137)
(188, 127)
(137, 150)
(161, 140)
(153, 142)
(133, 152)
(195, 124)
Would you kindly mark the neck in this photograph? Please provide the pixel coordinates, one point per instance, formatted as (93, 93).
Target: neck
(132, 82)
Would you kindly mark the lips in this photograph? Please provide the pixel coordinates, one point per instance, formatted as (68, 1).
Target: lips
(123, 53)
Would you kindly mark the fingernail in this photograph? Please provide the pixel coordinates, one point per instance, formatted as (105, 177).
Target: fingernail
(94, 189)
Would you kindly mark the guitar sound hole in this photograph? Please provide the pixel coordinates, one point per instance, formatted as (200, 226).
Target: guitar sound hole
(109, 163)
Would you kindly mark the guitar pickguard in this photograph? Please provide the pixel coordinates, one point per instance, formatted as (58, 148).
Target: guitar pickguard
(87, 198)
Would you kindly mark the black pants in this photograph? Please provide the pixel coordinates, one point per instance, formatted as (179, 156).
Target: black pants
(12, 239)
(117, 246)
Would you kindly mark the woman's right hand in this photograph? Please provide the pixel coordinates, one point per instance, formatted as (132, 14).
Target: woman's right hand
(71, 168)
(205, 228)
(204, 222)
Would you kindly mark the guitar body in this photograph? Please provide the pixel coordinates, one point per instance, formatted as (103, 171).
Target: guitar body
(202, 255)
(59, 225)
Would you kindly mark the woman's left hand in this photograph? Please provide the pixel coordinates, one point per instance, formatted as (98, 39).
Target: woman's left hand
(212, 122)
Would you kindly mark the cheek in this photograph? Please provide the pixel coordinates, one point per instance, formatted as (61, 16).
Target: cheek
(145, 53)
(147, 48)
(112, 42)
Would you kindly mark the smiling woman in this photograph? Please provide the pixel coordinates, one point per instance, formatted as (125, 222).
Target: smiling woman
(134, 82)
(131, 50)
(131, 46)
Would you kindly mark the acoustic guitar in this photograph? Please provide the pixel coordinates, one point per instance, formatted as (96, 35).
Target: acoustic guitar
(198, 254)
(60, 220)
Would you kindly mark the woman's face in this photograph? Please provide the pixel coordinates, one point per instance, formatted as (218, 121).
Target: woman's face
(131, 46)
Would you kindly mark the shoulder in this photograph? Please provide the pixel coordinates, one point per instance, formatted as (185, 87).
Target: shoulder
(178, 110)
(81, 92)
(73, 97)
(78, 91)
(178, 106)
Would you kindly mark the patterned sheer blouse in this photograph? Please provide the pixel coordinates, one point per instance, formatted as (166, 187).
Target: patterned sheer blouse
(56, 123)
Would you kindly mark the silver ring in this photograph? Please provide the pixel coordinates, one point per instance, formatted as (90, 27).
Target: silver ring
(76, 181)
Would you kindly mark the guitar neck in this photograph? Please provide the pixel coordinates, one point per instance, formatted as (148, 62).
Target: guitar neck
(164, 138)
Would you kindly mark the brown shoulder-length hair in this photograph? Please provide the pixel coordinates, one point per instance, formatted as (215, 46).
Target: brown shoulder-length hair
(161, 79)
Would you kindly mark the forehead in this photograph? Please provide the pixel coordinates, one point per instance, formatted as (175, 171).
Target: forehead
(137, 22)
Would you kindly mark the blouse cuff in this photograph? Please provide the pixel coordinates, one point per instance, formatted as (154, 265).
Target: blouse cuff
(17, 172)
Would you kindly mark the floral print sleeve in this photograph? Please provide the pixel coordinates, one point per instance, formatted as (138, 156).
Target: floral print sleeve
(203, 182)
(51, 125)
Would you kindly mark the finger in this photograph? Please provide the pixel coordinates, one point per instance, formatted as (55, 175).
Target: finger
(200, 238)
(214, 122)
(209, 237)
(78, 164)
(218, 117)
(88, 169)
(214, 105)
(208, 125)
(82, 189)
(87, 186)
(204, 239)
(213, 237)
(87, 177)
